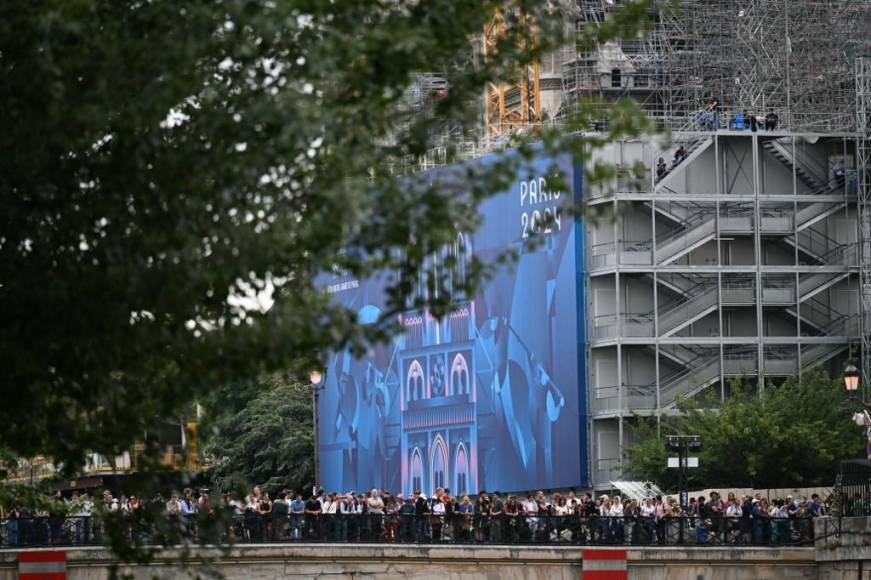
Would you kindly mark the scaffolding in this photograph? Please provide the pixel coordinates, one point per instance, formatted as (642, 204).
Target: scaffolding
(863, 166)
(793, 58)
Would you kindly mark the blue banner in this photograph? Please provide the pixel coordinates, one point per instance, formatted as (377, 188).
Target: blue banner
(492, 396)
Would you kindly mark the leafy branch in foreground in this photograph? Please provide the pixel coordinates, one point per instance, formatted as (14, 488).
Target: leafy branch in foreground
(174, 177)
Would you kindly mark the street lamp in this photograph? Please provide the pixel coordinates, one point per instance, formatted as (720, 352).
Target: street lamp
(318, 381)
(861, 418)
(851, 378)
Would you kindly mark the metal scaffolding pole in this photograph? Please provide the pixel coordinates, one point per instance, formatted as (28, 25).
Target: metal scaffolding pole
(863, 170)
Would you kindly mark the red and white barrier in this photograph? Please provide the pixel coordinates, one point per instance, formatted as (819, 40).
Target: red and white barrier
(604, 565)
(42, 565)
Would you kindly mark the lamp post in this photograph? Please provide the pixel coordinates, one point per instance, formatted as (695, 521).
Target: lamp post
(862, 419)
(318, 381)
(682, 445)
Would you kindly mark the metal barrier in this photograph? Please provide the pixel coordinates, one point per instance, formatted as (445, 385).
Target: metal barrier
(457, 528)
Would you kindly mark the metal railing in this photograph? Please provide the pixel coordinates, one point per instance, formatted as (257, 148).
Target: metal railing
(509, 528)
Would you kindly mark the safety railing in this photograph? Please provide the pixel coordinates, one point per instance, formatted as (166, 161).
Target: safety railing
(605, 255)
(739, 291)
(511, 526)
(628, 398)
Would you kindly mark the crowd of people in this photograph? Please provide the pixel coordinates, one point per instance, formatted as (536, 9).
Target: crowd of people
(708, 119)
(492, 517)
(488, 518)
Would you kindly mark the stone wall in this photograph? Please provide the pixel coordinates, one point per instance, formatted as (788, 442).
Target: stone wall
(843, 548)
(375, 562)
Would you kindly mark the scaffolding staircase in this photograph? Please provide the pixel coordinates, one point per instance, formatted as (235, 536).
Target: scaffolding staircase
(810, 286)
(703, 370)
(677, 284)
(818, 354)
(821, 248)
(693, 232)
(694, 148)
(693, 303)
(693, 376)
(816, 212)
(674, 211)
(820, 319)
(809, 170)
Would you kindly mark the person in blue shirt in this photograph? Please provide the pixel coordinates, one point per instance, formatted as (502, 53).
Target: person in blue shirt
(814, 507)
(297, 509)
(406, 521)
(465, 510)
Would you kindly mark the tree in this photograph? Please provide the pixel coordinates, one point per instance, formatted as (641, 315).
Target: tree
(266, 441)
(175, 176)
(790, 435)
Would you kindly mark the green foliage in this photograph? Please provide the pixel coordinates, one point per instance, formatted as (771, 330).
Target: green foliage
(168, 170)
(790, 435)
(266, 440)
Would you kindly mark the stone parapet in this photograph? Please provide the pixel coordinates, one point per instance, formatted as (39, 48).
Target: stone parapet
(434, 562)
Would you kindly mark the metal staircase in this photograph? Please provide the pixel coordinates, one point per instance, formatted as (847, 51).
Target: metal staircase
(697, 371)
(821, 248)
(694, 148)
(695, 375)
(678, 284)
(820, 319)
(695, 231)
(810, 286)
(692, 304)
(817, 354)
(674, 211)
(811, 171)
(816, 212)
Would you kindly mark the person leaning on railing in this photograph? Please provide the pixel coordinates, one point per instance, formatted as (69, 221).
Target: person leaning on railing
(482, 513)
(280, 521)
(734, 514)
(497, 521)
(392, 506)
(312, 519)
(297, 516)
(407, 520)
(465, 511)
(330, 510)
(421, 511)
(513, 512)
(375, 508)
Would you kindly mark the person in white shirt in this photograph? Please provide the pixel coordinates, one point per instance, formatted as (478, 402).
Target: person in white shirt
(648, 515)
(561, 509)
(605, 512)
(376, 504)
(530, 508)
(733, 519)
(604, 506)
(437, 519)
(331, 504)
(734, 510)
(616, 510)
(616, 514)
(647, 509)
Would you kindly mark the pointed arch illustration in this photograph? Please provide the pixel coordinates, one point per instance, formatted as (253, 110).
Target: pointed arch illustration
(460, 376)
(438, 464)
(415, 475)
(461, 469)
(414, 382)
